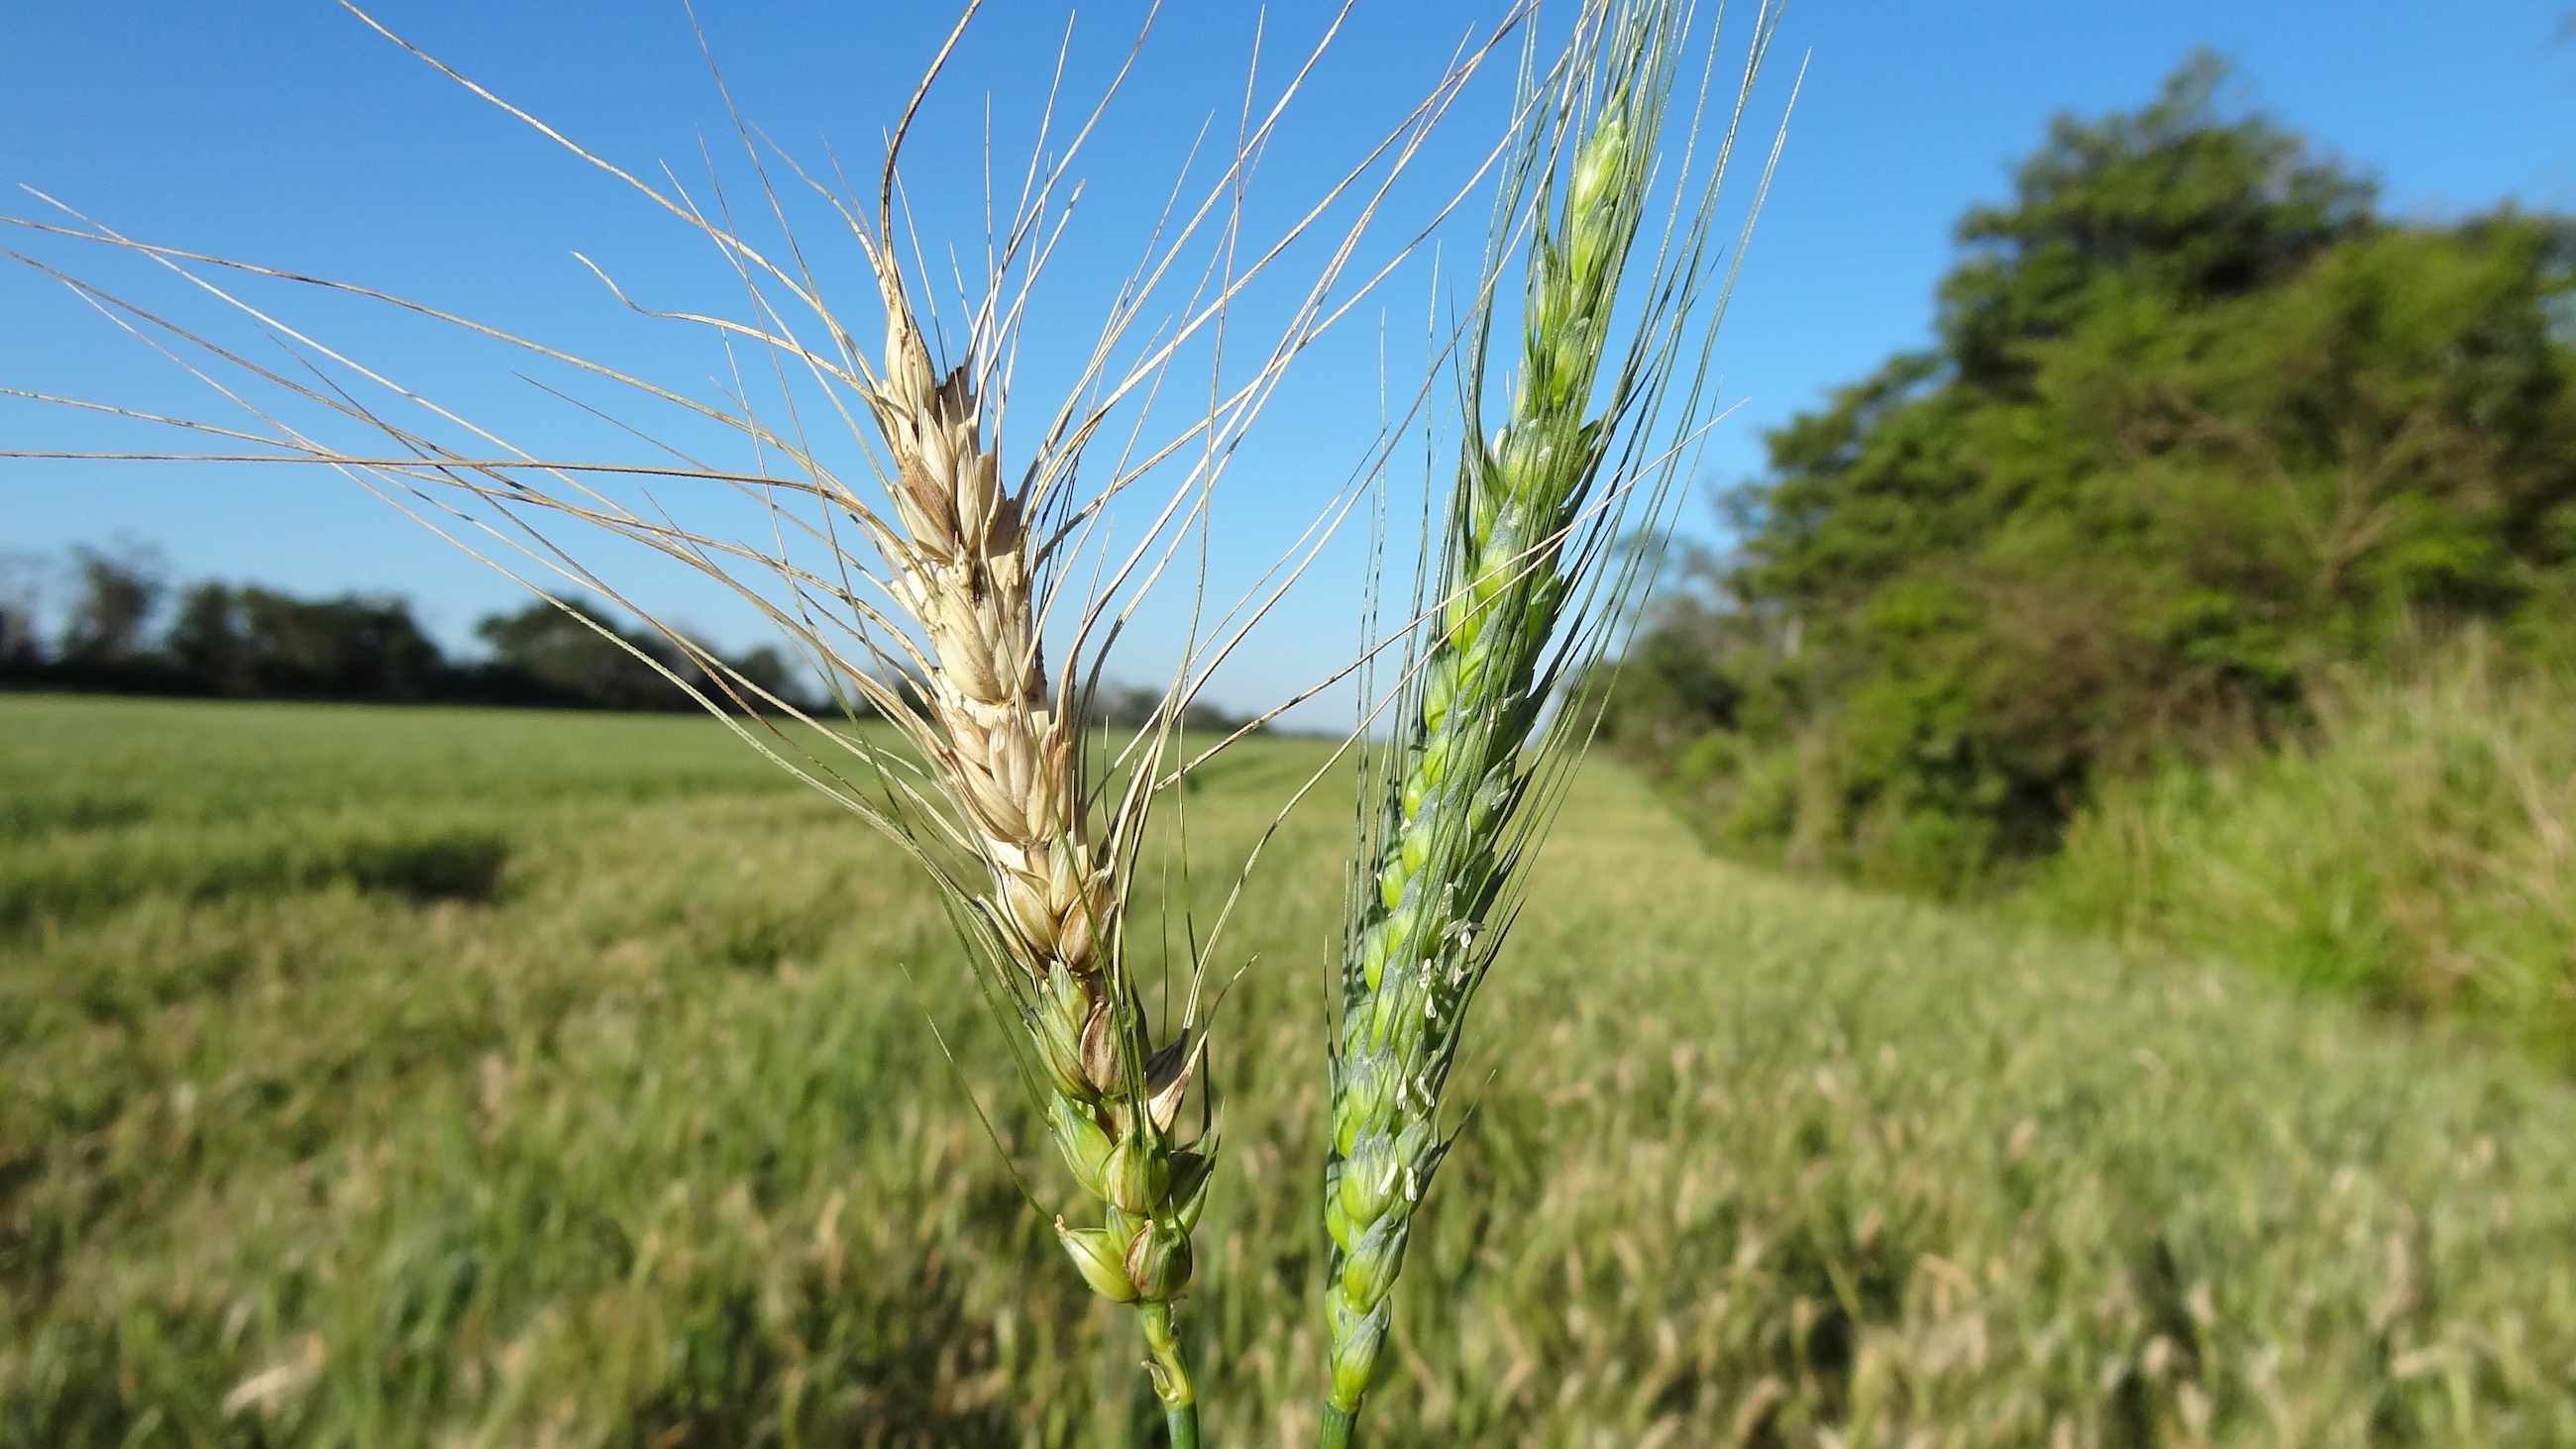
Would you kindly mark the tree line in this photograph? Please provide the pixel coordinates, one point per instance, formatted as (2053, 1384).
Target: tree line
(2199, 424)
(126, 628)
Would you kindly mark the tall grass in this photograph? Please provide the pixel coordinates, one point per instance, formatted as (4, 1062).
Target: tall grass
(2418, 851)
(648, 1145)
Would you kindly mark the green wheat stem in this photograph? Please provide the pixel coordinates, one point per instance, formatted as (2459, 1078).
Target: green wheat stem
(1413, 958)
(1171, 1369)
(1113, 1125)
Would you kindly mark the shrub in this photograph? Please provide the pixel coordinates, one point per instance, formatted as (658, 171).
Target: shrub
(2419, 849)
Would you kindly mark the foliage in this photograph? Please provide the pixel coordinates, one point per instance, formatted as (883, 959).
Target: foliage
(638, 1138)
(2420, 851)
(2199, 424)
(117, 597)
(246, 640)
(1138, 706)
(574, 649)
(21, 644)
(250, 641)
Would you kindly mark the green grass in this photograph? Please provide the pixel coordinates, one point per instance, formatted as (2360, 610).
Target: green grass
(381, 1077)
(2419, 853)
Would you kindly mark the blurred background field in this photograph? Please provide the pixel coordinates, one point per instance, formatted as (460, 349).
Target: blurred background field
(441, 1076)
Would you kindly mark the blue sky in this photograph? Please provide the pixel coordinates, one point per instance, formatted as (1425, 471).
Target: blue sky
(292, 135)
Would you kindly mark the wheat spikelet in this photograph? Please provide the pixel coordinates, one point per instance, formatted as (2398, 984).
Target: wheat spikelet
(1528, 528)
(1007, 755)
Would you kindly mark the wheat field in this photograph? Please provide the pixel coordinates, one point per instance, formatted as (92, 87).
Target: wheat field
(445, 1077)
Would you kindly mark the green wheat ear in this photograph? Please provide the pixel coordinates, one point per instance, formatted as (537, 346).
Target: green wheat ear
(1528, 526)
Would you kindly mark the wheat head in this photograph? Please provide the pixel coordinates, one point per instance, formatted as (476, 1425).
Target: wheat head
(1534, 506)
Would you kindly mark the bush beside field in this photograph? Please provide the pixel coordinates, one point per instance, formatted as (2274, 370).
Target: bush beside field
(439, 1077)
(2418, 852)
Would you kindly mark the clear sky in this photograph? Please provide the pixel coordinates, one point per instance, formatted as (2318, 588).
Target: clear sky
(294, 136)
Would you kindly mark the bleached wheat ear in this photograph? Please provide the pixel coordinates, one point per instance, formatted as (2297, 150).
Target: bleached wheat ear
(1526, 564)
(1008, 752)
(934, 613)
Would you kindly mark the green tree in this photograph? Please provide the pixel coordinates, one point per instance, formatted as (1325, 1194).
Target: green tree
(353, 646)
(578, 654)
(2197, 422)
(112, 606)
(21, 642)
(207, 641)
(574, 654)
(765, 668)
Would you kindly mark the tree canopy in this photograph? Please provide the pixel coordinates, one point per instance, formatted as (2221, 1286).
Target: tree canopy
(2197, 421)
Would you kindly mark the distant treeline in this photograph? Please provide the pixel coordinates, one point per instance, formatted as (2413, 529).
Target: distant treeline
(2200, 427)
(126, 628)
